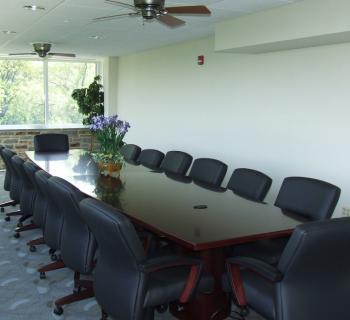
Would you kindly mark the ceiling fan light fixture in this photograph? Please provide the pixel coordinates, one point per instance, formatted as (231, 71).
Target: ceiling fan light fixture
(33, 7)
(9, 32)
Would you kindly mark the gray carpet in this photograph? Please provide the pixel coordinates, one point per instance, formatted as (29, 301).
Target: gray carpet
(23, 295)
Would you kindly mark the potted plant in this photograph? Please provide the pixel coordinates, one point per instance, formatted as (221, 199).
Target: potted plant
(90, 100)
(109, 132)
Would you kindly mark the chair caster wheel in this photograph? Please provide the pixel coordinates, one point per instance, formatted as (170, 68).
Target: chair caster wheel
(32, 248)
(16, 235)
(51, 251)
(7, 218)
(243, 312)
(58, 311)
(42, 275)
(2, 209)
(54, 257)
(162, 308)
(19, 224)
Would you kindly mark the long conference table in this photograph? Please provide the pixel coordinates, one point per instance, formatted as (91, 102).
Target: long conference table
(199, 221)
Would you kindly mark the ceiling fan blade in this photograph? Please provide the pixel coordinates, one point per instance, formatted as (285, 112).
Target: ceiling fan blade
(170, 21)
(115, 16)
(23, 54)
(188, 10)
(71, 55)
(122, 4)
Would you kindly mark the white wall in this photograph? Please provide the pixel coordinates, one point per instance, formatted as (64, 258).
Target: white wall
(284, 113)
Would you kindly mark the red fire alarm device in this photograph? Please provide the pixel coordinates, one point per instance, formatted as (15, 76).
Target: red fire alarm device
(200, 60)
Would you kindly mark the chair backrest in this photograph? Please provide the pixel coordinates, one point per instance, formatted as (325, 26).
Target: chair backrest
(315, 266)
(28, 194)
(54, 217)
(41, 178)
(77, 243)
(208, 171)
(250, 184)
(130, 152)
(312, 198)
(16, 183)
(7, 181)
(150, 158)
(40, 202)
(51, 142)
(116, 275)
(176, 162)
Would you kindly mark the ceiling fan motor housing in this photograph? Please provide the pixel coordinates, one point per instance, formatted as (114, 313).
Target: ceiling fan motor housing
(42, 49)
(150, 8)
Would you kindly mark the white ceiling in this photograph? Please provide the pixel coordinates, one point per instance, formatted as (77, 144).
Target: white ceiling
(68, 25)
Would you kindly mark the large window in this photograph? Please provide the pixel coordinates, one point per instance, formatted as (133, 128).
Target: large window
(39, 92)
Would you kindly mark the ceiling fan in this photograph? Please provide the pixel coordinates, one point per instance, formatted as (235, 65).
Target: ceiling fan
(156, 10)
(43, 50)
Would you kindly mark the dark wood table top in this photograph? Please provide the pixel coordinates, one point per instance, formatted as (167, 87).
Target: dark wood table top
(168, 207)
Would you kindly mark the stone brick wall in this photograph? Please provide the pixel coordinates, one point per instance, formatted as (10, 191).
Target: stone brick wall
(21, 140)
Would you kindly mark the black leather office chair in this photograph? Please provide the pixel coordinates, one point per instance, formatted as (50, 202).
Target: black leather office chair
(78, 245)
(7, 181)
(27, 197)
(311, 280)
(52, 232)
(310, 198)
(208, 172)
(176, 162)
(150, 158)
(40, 203)
(15, 185)
(130, 152)
(250, 184)
(128, 285)
(51, 142)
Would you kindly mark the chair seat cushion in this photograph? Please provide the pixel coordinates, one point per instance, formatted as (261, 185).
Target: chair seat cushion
(267, 250)
(259, 293)
(167, 285)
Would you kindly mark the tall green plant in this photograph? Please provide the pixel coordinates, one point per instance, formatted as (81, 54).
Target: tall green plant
(90, 100)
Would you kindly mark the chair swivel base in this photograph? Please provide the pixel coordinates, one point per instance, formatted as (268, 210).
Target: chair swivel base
(83, 289)
(7, 204)
(50, 267)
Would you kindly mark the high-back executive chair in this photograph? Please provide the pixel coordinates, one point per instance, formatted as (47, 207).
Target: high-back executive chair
(40, 203)
(311, 199)
(150, 158)
(78, 245)
(311, 280)
(16, 184)
(51, 142)
(7, 181)
(52, 231)
(208, 172)
(130, 152)
(250, 184)
(176, 162)
(127, 284)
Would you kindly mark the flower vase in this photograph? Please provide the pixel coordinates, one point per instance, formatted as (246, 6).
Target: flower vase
(110, 169)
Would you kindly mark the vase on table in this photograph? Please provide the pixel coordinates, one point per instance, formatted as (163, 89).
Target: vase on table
(109, 169)
(109, 132)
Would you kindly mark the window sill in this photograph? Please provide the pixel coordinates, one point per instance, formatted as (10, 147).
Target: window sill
(41, 127)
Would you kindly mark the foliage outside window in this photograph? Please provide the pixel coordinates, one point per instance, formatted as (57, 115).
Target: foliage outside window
(23, 99)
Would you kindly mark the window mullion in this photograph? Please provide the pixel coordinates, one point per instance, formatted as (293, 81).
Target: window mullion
(46, 91)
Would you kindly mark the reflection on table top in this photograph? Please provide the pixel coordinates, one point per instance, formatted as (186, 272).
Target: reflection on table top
(170, 207)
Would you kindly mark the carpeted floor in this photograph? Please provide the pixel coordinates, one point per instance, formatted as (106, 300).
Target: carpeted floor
(23, 295)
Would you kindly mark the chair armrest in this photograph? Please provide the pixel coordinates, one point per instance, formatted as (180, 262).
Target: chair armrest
(166, 262)
(262, 268)
(233, 266)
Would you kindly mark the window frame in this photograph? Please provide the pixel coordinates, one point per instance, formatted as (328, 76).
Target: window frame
(45, 61)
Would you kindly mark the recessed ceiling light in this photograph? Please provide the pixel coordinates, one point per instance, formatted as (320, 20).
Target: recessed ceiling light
(66, 21)
(95, 37)
(33, 7)
(8, 32)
